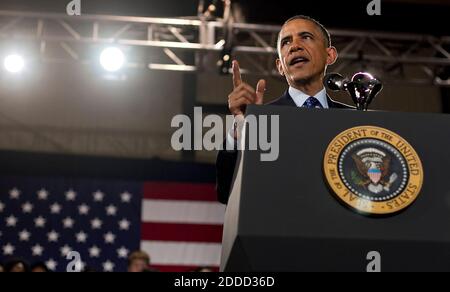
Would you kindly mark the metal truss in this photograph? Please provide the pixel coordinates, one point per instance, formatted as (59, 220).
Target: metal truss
(198, 44)
(207, 44)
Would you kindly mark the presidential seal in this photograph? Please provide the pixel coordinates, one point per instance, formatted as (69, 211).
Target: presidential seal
(373, 170)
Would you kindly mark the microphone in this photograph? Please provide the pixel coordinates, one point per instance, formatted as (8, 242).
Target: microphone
(335, 82)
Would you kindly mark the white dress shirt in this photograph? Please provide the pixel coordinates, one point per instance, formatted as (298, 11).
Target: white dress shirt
(300, 98)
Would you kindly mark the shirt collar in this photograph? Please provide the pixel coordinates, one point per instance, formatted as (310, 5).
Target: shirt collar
(299, 97)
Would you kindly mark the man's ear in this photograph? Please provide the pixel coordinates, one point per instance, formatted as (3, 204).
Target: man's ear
(332, 55)
(279, 67)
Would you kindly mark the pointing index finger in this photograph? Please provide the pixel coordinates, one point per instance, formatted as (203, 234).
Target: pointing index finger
(237, 78)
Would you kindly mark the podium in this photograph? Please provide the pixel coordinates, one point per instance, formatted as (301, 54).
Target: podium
(283, 216)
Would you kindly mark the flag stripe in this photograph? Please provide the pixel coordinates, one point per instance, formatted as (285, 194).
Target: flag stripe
(181, 269)
(180, 191)
(182, 212)
(182, 232)
(182, 253)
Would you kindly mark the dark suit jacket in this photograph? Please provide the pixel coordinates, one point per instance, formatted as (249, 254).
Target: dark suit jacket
(226, 160)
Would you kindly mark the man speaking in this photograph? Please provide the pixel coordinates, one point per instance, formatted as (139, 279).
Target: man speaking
(304, 52)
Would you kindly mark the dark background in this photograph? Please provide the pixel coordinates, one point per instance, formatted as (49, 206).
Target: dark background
(419, 16)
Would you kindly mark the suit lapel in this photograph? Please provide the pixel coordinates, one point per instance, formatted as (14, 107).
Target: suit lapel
(331, 103)
(286, 99)
(335, 104)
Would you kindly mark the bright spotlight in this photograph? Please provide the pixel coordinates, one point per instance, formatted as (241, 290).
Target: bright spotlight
(14, 63)
(112, 59)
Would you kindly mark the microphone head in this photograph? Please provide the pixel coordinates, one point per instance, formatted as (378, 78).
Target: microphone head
(335, 81)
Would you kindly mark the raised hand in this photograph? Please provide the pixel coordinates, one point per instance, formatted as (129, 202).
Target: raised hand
(243, 94)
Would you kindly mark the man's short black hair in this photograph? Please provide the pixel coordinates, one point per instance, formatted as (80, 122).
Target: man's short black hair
(325, 32)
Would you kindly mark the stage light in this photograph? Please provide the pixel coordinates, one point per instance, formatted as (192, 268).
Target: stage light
(225, 61)
(14, 63)
(212, 8)
(112, 59)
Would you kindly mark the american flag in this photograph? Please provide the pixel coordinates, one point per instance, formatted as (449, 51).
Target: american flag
(42, 220)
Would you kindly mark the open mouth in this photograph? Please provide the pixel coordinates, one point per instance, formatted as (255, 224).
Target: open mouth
(299, 60)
